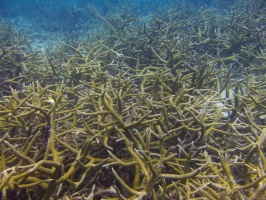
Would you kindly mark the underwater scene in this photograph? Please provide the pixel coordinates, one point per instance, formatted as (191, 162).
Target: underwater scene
(132, 99)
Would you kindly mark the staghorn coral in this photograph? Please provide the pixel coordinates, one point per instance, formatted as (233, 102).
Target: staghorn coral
(154, 113)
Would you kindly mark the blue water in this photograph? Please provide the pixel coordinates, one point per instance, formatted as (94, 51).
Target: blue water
(68, 10)
(70, 17)
(49, 21)
(41, 8)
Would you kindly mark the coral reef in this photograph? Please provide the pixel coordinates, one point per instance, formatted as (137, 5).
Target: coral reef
(172, 108)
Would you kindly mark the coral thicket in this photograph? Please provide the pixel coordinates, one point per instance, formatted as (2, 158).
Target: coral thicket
(170, 108)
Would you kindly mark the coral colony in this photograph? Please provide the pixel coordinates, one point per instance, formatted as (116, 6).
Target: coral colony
(170, 108)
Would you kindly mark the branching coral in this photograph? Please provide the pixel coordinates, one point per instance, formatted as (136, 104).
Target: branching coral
(157, 113)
